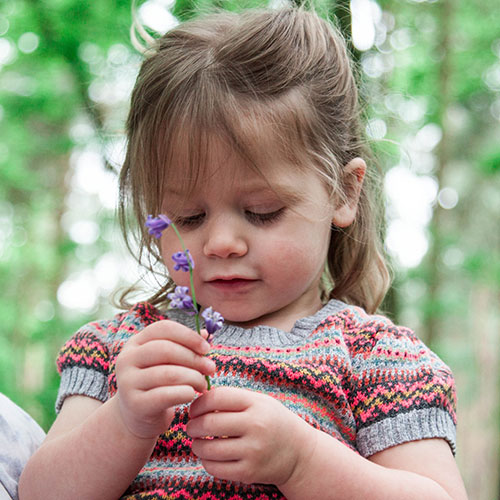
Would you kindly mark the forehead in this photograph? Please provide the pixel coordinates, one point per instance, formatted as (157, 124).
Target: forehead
(202, 158)
(209, 134)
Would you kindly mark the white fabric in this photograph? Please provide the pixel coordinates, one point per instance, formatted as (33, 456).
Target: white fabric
(20, 436)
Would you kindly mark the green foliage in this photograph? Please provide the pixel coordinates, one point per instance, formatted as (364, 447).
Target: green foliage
(490, 162)
(42, 92)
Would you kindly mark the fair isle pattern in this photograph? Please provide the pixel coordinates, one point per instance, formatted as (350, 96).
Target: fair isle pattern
(357, 377)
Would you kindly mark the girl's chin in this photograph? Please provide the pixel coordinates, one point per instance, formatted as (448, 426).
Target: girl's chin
(252, 320)
(235, 314)
(242, 320)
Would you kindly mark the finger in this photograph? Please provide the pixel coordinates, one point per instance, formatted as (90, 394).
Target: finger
(222, 399)
(230, 470)
(166, 397)
(228, 424)
(169, 375)
(175, 332)
(219, 449)
(157, 352)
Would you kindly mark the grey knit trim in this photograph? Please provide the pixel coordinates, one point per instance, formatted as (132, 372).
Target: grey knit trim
(81, 381)
(264, 336)
(413, 426)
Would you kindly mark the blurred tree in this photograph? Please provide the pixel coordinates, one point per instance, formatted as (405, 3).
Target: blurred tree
(46, 71)
(441, 104)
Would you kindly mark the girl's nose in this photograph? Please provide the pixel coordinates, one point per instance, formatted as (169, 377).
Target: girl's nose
(225, 239)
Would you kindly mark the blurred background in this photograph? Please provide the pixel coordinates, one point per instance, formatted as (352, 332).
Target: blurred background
(430, 73)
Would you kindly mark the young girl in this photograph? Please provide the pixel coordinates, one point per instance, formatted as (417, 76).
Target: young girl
(244, 131)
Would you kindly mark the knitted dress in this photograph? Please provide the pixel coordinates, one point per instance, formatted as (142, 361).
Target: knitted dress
(357, 377)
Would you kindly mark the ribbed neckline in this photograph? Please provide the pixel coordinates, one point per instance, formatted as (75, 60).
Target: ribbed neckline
(263, 336)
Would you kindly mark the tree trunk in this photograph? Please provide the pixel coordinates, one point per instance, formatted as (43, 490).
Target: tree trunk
(80, 74)
(479, 412)
(435, 275)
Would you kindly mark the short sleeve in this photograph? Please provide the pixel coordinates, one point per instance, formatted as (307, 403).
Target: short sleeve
(401, 391)
(83, 363)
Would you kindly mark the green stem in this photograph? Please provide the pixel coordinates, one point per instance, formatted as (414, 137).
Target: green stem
(193, 295)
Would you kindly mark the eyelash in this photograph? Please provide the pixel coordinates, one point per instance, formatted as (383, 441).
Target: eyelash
(264, 218)
(253, 217)
(191, 221)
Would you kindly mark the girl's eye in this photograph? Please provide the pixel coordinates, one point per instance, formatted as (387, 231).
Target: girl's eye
(266, 217)
(190, 220)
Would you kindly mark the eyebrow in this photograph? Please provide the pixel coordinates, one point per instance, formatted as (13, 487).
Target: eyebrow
(284, 192)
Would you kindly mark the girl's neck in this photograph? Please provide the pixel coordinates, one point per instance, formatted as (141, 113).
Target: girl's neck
(283, 319)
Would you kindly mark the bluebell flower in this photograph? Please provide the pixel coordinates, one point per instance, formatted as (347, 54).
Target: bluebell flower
(183, 260)
(157, 225)
(213, 320)
(180, 298)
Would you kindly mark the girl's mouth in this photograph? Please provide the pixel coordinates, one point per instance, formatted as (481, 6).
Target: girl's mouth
(232, 284)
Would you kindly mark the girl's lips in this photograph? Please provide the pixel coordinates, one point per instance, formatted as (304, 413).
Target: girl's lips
(231, 284)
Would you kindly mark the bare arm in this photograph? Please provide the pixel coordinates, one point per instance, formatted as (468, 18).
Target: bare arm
(415, 470)
(264, 442)
(82, 453)
(97, 449)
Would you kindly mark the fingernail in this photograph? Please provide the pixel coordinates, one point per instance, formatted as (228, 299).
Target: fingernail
(205, 347)
(209, 364)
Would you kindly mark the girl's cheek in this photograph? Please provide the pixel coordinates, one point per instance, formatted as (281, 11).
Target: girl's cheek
(180, 278)
(287, 251)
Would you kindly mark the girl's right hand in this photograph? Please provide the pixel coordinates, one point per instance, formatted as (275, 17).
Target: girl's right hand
(162, 366)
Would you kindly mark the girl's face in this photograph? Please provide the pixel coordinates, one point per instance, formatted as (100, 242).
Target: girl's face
(259, 252)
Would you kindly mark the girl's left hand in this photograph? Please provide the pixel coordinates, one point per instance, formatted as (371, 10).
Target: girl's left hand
(245, 436)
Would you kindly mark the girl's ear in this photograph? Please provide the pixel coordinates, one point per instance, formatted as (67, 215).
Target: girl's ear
(352, 178)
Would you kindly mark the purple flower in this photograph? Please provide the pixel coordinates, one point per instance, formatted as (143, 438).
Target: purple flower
(183, 260)
(180, 298)
(157, 224)
(213, 320)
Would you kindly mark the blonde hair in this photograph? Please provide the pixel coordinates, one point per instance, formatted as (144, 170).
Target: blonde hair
(230, 75)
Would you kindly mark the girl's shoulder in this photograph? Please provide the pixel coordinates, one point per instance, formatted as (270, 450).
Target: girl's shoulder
(354, 320)
(401, 390)
(372, 334)
(123, 324)
(100, 339)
